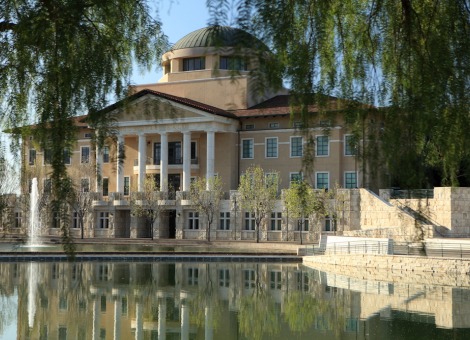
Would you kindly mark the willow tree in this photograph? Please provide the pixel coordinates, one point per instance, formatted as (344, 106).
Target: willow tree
(408, 57)
(59, 59)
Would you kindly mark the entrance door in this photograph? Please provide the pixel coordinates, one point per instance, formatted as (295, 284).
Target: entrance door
(172, 224)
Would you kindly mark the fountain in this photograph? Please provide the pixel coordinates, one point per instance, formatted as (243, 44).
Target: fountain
(34, 223)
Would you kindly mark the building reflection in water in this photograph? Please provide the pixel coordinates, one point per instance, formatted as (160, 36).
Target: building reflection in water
(194, 300)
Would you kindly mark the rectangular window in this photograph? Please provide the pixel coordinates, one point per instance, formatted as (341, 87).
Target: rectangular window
(193, 151)
(193, 64)
(224, 220)
(330, 224)
(67, 157)
(105, 154)
(105, 186)
(103, 220)
(18, 219)
(350, 180)
(157, 153)
(62, 334)
(55, 220)
(276, 221)
(75, 220)
(295, 177)
(249, 221)
(193, 220)
(322, 146)
(249, 276)
(274, 125)
(271, 147)
(32, 156)
(85, 185)
(296, 146)
(249, 126)
(275, 280)
(232, 63)
(224, 278)
(174, 153)
(47, 156)
(297, 124)
(193, 276)
(322, 180)
(103, 303)
(85, 154)
(127, 185)
(247, 148)
(302, 224)
(349, 146)
(271, 178)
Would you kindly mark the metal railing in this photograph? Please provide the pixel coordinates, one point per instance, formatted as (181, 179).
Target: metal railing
(412, 193)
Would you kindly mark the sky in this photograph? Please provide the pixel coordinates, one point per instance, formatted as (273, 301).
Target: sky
(179, 17)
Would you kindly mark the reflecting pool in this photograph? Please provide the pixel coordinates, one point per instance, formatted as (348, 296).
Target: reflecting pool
(219, 300)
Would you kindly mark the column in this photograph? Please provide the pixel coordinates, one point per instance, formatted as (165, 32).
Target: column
(162, 318)
(96, 317)
(142, 161)
(163, 161)
(139, 322)
(184, 320)
(120, 165)
(210, 157)
(99, 168)
(208, 330)
(186, 160)
(117, 316)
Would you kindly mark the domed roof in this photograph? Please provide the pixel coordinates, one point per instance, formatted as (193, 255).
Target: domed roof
(218, 36)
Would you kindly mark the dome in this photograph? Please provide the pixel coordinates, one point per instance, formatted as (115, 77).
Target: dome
(218, 36)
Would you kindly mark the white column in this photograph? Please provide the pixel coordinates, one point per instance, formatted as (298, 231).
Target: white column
(163, 161)
(99, 168)
(120, 165)
(96, 318)
(142, 161)
(210, 157)
(162, 319)
(117, 316)
(139, 322)
(184, 321)
(208, 331)
(186, 160)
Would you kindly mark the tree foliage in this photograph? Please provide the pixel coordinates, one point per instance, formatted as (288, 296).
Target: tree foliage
(206, 202)
(410, 57)
(258, 193)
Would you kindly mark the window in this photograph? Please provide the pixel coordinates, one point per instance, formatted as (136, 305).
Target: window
(224, 278)
(85, 154)
(296, 146)
(249, 221)
(47, 156)
(193, 151)
(127, 185)
(18, 219)
(105, 154)
(350, 180)
(63, 303)
(32, 156)
(67, 157)
(271, 178)
(276, 221)
(103, 272)
(193, 64)
(295, 177)
(55, 220)
(322, 146)
(274, 125)
(297, 124)
(330, 224)
(349, 146)
(232, 63)
(271, 147)
(224, 220)
(85, 185)
(157, 153)
(249, 126)
(174, 153)
(105, 186)
(247, 148)
(275, 280)
(87, 135)
(193, 220)
(75, 220)
(193, 276)
(62, 335)
(103, 303)
(103, 220)
(302, 224)
(249, 276)
(322, 180)
(47, 186)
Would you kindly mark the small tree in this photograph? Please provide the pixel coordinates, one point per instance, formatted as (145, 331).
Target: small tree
(258, 193)
(206, 202)
(301, 201)
(147, 203)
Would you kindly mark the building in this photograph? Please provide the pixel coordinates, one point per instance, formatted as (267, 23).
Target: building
(205, 117)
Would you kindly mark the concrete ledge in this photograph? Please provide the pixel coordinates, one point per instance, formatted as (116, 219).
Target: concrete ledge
(390, 268)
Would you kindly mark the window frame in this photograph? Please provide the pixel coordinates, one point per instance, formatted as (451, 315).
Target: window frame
(292, 155)
(275, 221)
(105, 154)
(348, 146)
(193, 220)
(194, 64)
(251, 153)
(32, 157)
(224, 220)
(103, 220)
(292, 180)
(271, 148)
(84, 159)
(317, 177)
(249, 223)
(127, 185)
(103, 181)
(322, 149)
